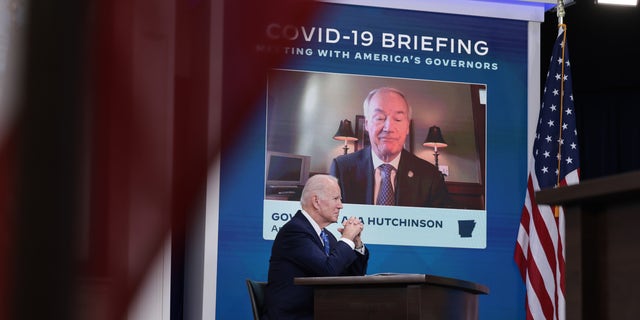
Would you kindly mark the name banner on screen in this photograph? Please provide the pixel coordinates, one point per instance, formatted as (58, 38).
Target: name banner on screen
(407, 226)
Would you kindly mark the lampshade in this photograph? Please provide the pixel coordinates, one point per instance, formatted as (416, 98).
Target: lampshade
(434, 138)
(345, 132)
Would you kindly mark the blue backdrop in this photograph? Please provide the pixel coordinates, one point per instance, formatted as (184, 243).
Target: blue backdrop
(243, 253)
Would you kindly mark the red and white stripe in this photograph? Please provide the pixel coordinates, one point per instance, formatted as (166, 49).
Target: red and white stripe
(540, 254)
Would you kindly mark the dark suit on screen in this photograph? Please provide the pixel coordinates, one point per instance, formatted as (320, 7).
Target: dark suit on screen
(418, 182)
(298, 252)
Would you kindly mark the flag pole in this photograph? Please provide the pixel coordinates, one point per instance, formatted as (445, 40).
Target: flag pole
(560, 14)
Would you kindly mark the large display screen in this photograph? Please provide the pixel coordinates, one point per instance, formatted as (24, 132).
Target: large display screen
(466, 75)
(304, 109)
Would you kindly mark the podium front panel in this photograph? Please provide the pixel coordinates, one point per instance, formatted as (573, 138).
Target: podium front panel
(418, 297)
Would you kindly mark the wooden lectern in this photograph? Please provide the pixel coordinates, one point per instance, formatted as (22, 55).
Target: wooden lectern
(602, 244)
(393, 296)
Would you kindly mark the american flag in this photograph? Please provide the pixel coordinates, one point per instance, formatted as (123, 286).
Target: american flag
(539, 251)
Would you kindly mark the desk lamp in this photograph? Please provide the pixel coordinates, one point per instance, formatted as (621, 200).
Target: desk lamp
(345, 133)
(435, 140)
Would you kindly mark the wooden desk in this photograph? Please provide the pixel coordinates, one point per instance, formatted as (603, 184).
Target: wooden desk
(602, 262)
(394, 296)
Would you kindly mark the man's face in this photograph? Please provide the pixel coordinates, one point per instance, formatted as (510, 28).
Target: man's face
(329, 205)
(387, 124)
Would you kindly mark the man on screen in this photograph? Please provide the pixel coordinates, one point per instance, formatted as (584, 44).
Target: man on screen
(385, 173)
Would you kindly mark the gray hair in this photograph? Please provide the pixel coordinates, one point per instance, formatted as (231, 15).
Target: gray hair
(373, 92)
(316, 185)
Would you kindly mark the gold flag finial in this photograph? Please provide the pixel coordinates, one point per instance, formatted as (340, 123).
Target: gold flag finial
(560, 11)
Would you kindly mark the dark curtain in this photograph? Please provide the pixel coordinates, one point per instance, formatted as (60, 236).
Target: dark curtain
(605, 85)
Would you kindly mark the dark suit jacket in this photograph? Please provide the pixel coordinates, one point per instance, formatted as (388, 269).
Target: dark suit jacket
(298, 252)
(418, 182)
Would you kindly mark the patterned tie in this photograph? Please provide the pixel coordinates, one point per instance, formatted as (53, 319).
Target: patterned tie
(325, 241)
(385, 194)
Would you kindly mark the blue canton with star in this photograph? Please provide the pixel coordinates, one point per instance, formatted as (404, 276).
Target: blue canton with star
(555, 149)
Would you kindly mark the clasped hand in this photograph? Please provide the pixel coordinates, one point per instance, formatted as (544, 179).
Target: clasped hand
(351, 229)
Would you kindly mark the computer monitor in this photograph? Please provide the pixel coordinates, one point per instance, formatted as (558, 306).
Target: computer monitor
(286, 169)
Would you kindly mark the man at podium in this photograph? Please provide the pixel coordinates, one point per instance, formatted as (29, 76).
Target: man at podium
(304, 248)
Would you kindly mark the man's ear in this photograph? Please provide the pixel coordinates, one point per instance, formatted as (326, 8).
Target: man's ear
(315, 201)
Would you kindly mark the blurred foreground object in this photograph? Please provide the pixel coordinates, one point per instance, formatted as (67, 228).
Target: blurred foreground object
(117, 120)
